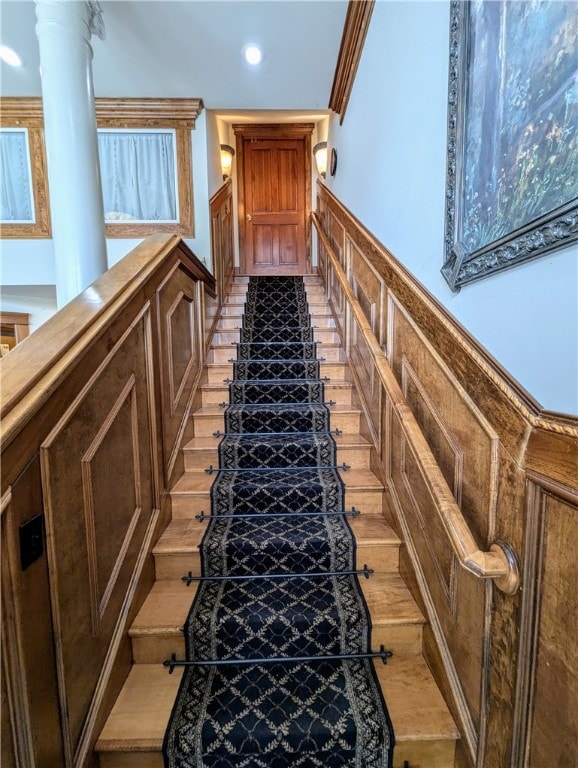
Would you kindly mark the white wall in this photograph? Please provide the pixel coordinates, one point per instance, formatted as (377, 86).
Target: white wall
(39, 301)
(391, 174)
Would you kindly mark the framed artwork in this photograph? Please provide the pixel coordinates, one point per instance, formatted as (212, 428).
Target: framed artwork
(512, 157)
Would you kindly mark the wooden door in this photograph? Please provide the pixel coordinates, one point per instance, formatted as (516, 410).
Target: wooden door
(274, 191)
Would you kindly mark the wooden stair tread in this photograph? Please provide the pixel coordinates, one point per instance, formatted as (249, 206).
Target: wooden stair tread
(199, 481)
(185, 534)
(167, 605)
(217, 410)
(141, 713)
(181, 535)
(344, 440)
(332, 383)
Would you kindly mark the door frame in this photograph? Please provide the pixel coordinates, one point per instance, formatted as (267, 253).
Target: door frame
(267, 131)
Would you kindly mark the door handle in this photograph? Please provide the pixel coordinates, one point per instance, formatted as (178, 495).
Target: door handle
(249, 217)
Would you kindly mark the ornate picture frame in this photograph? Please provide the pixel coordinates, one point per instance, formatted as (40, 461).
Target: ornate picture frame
(512, 152)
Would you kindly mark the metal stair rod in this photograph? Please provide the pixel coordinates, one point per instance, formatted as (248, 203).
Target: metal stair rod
(279, 360)
(263, 343)
(209, 470)
(274, 381)
(189, 578)
(218, 433)
(328, 403)
(353, 512)
(174, 662)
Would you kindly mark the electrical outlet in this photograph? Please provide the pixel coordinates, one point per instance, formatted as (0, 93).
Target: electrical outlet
(31, 541)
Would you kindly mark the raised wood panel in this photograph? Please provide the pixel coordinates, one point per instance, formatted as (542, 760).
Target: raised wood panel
(181, 346)
(88, 458)
(222, 247)
(178, 310)
(456, 419)
(263, 241)
(337, 302)
(553, 727)
(336, 234)
(109, 506)
(210, 311)
(370, 289)
(30, 722)
(368, 384)
(449, 453)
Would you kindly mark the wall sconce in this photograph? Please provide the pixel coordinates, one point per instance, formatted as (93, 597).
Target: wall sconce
(227, 155)
(320, 154)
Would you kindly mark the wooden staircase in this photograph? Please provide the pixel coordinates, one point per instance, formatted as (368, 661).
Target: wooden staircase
(424, 729)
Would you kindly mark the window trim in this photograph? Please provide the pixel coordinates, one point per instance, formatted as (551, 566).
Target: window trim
(26, 114)
(149, 114)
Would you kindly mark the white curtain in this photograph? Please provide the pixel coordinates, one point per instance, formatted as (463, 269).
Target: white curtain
(138, 175)
(15, 192)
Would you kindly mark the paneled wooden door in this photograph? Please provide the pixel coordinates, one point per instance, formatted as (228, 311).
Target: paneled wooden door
(274, 171)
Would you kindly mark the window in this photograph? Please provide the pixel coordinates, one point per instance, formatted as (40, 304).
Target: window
(16, 196)
(139, 175)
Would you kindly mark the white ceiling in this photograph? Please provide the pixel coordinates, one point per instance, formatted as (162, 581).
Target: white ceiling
(192, 48)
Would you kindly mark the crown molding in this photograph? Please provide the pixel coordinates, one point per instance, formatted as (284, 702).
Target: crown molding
(354, 32)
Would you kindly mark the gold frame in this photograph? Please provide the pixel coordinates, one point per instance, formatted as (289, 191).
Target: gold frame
(27, 114)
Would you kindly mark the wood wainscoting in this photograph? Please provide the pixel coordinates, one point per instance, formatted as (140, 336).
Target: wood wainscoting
(95, 405)
(507, 663)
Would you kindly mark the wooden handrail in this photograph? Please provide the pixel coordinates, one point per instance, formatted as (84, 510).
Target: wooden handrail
(500, 562)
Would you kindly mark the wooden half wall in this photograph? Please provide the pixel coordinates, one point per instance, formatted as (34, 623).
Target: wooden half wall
(506, 663)
(95, 405)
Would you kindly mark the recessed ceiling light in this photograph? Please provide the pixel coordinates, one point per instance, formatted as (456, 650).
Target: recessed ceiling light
(253, 54)
(9, 56)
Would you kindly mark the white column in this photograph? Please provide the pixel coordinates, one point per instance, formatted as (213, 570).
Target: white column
(76, 208)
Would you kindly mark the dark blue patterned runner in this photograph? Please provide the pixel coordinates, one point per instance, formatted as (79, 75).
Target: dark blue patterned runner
(278, 456)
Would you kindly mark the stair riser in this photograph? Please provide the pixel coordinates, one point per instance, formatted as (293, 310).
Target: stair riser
(425, 754)
(205, 425)
(217, 373)
(238, 308)
(356, 458)
(418, 754)
(154, 649)
(187, 505)
(131, 759)
(226, 353)
(383, 558)
(233, 335)
(234, 322)
(212, 396)
(229, 323)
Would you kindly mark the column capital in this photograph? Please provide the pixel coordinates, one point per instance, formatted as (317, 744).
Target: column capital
(96, 22)
(84, 17)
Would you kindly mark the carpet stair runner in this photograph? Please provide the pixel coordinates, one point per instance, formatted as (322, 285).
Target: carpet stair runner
(265, 474)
